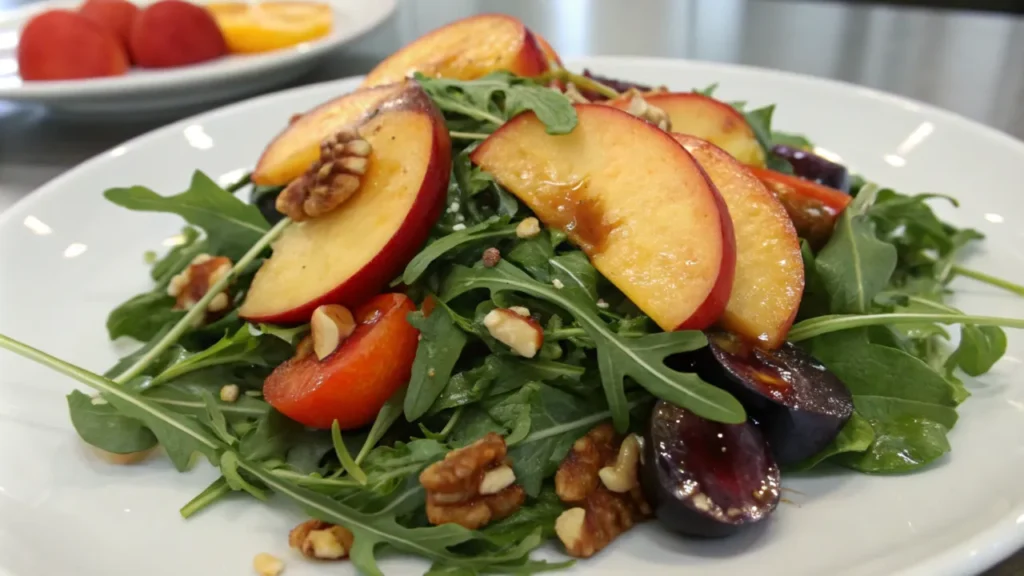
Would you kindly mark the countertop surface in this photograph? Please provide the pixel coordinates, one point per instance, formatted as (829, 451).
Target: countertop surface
(969, 62)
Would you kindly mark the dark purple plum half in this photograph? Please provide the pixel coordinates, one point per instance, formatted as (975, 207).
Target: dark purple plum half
(704, 478)
(798, 403)
(617, 85)
(810, 166)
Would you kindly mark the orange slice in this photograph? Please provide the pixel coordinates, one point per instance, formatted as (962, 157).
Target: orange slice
(269, 26)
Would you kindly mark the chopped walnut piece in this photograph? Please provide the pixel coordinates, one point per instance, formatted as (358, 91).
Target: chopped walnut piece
(330, 181)
(472, 486)
(639, 107)
(598, 514)
(189, 287)
(516, 330)
(321, 540)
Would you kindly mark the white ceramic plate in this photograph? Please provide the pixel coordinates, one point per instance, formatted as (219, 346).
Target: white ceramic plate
(145, 91)
(67, 256)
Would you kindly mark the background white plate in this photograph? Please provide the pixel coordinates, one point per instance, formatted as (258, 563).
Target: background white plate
(66, 257)
(143, 91)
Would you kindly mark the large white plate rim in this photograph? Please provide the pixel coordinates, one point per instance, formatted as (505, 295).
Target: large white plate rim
(984, 549)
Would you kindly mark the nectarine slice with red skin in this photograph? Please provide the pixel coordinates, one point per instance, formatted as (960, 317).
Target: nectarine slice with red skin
(295, 149)
(546, 48)
(350, 254)
(64, 45)
(172, 33)
(115, 15)
(633, 200)
(708, 119)
(351, 384)
(465, 50)
(769, 278)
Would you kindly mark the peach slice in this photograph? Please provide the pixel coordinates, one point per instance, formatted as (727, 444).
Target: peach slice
(630, 197)
(350, 254)
(708, 119)
(769, 278)
(464, 50)
(295, 149)
(547, 49)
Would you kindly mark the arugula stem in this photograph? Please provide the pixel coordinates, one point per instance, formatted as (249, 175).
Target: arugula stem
(97, 383)
(564, 334)
(353, 469)
(581, 82)
(197, 311)
(835, 323)
(472, 113)
(240, 183)
(467, 135)
(988, 279)
(215, 491)
(575, 424)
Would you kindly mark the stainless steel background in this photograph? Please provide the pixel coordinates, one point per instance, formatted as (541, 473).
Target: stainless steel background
(969, 62)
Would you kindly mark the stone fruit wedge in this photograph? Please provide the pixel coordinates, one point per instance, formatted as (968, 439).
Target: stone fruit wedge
(348, 255)
(707, 119)
(769, 278)
(465, 50)
(295, 149)
(633, 199)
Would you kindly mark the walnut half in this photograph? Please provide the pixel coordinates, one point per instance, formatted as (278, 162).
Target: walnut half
(472, 486)
(333, 179)
(321, 540)
(599, 514)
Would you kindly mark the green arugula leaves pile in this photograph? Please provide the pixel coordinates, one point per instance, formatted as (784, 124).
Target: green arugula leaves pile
(873, 312)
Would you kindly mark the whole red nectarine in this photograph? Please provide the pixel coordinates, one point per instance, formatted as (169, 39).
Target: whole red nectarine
(63, 45)
(173, 33)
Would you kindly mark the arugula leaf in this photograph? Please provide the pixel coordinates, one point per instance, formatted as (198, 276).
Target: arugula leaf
(643, 359)
(143, 316)
(557, 419)
(182, 437)
(855, 265)
(347, 463)
(441, 344)
(552, 108)
(100, 425)
(760, 122)
(541, 512)
(231, 225)
(897, 394)
(856, 436)
(902, 444)
(498, 97)
(292, 335)
(388, 414)
(508, 415)
(980, 348)
(271, 439)
(792, 140)
(493, 228)
(240, 348)
(186, 397)
(178, 257)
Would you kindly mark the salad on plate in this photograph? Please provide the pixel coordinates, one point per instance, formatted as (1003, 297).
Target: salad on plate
(485, 302)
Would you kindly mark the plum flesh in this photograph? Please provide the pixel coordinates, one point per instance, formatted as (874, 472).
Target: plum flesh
(810, 166)
(799, 404)
(704, 478)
